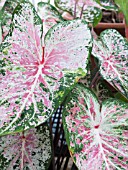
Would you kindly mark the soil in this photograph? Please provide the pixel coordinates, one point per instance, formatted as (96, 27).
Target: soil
(111, 17)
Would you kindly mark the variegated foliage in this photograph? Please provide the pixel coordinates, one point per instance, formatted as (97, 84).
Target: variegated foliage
(49, 15)
(35, 2)
(97, 135)
(30, 150)
(6, 15)
(109, 5)
(88, 10)
(112, 51)
(35, 78)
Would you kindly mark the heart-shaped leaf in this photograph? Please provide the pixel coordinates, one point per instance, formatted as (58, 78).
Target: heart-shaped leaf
(97, 136)
(112, 52)
(30, 150)
(89, 11)
(35, 79)
(49, 15)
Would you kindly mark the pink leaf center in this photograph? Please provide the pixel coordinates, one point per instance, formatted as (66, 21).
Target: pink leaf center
(42, 55)
(96, 127)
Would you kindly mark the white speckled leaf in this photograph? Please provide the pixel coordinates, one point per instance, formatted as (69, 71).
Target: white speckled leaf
(97, 136)
(89, 10)
(112, 52)
(46, 12)
(31, 150)
(92, 15)
(49, 15)
(35, 78)
(70, 5)
(6, 15)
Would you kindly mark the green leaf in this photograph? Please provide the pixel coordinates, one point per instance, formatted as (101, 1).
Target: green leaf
(120, 97)
(30, 149)
(97, 135)
(112, 51)
(123, 6)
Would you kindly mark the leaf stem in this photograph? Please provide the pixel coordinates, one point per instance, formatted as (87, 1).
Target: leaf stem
(42, 55)
(95, 79)
(82, 11)
(75, 9)
(22, 150)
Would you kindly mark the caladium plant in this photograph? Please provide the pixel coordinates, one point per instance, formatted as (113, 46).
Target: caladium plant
(96, 134)
(42, 57)
(112, 51)
(30, 150)
(35, 77)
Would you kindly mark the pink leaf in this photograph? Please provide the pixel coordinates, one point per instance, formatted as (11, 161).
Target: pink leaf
(96, 135)
(27, 150)
(112, 52)
(35, 78)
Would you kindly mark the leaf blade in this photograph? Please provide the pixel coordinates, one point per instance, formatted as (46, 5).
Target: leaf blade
(31, 149)
(96, 135)
(112, 52)
(36, 79)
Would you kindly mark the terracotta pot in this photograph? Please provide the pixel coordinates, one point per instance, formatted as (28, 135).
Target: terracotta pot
(121, 27)
(118, 26)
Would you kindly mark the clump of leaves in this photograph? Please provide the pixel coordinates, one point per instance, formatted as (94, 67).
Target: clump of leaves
(43, 56)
